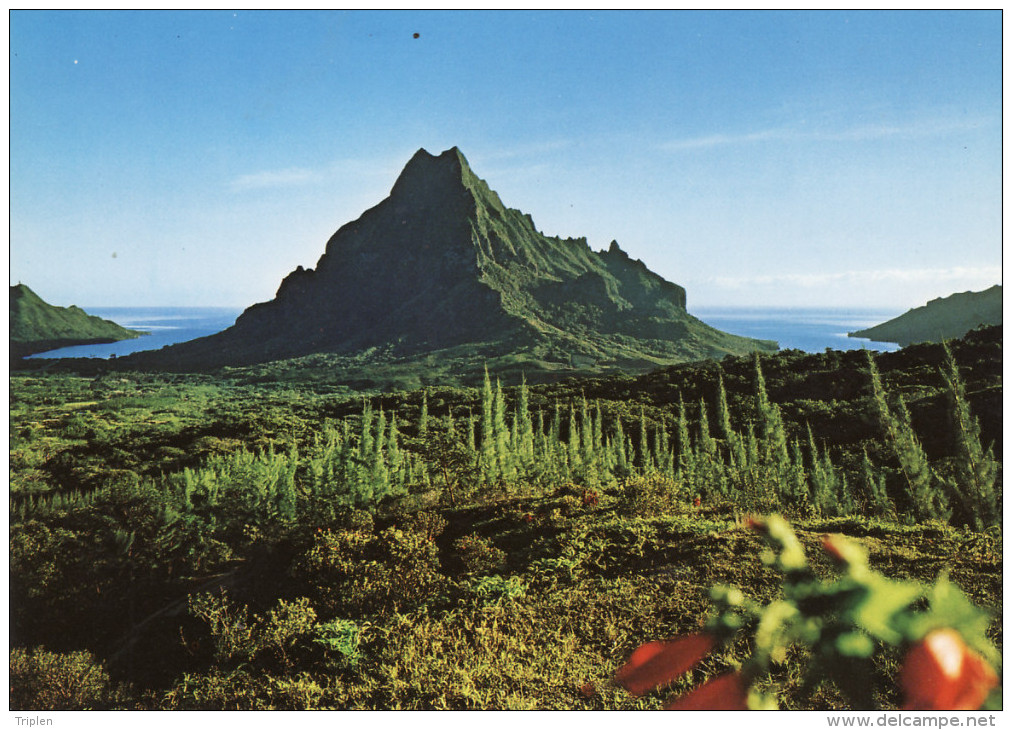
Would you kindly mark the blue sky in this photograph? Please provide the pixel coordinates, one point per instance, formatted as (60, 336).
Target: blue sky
(756, 158)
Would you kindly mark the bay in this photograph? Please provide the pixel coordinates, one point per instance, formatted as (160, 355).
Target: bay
(165, 325)
(807, 329)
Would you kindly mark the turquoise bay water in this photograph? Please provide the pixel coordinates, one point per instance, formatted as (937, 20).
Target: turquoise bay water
(811, 329)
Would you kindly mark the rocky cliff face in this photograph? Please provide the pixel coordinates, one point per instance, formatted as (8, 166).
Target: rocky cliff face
(442, 263)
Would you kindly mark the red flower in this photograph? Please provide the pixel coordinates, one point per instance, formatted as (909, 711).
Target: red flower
(660, 662)
(726, 692)
(832, 544)
(696, 502)
(941, 673)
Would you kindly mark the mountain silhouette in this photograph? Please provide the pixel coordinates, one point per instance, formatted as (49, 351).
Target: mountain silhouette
(442, 264)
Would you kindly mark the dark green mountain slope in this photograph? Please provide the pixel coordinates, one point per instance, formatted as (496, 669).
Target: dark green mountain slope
(442, 266)
(37, 326)
(940, 319)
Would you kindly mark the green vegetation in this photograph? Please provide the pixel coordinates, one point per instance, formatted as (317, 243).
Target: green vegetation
(246, 541)
(37, 326)
(940, 319)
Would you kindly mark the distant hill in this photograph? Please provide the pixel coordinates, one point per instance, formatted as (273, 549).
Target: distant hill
(940, 319)
(37, 326)
(442, 270)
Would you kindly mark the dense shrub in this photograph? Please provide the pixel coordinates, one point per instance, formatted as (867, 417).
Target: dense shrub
(45, 680)
(650, 495)
(479, 554)
(355, 573)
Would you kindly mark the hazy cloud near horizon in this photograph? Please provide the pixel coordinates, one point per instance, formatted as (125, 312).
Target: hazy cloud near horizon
(802, 133)
(907, 288)
(955, 274)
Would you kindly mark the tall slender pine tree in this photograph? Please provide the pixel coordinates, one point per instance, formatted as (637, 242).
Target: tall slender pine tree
(976, 470)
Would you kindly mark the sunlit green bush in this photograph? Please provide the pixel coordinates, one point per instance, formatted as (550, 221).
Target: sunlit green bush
(355, 573)
(45, 680)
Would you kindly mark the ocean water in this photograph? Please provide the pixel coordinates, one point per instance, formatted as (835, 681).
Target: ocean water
(811, 330)
(807, 329)
(166, 325)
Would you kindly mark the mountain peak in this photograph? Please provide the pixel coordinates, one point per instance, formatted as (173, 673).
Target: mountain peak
(434, 173)
(22, 290)
(442, 263)
(424, 157)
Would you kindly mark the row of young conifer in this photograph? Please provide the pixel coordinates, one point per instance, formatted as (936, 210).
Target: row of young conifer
(511, 449)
